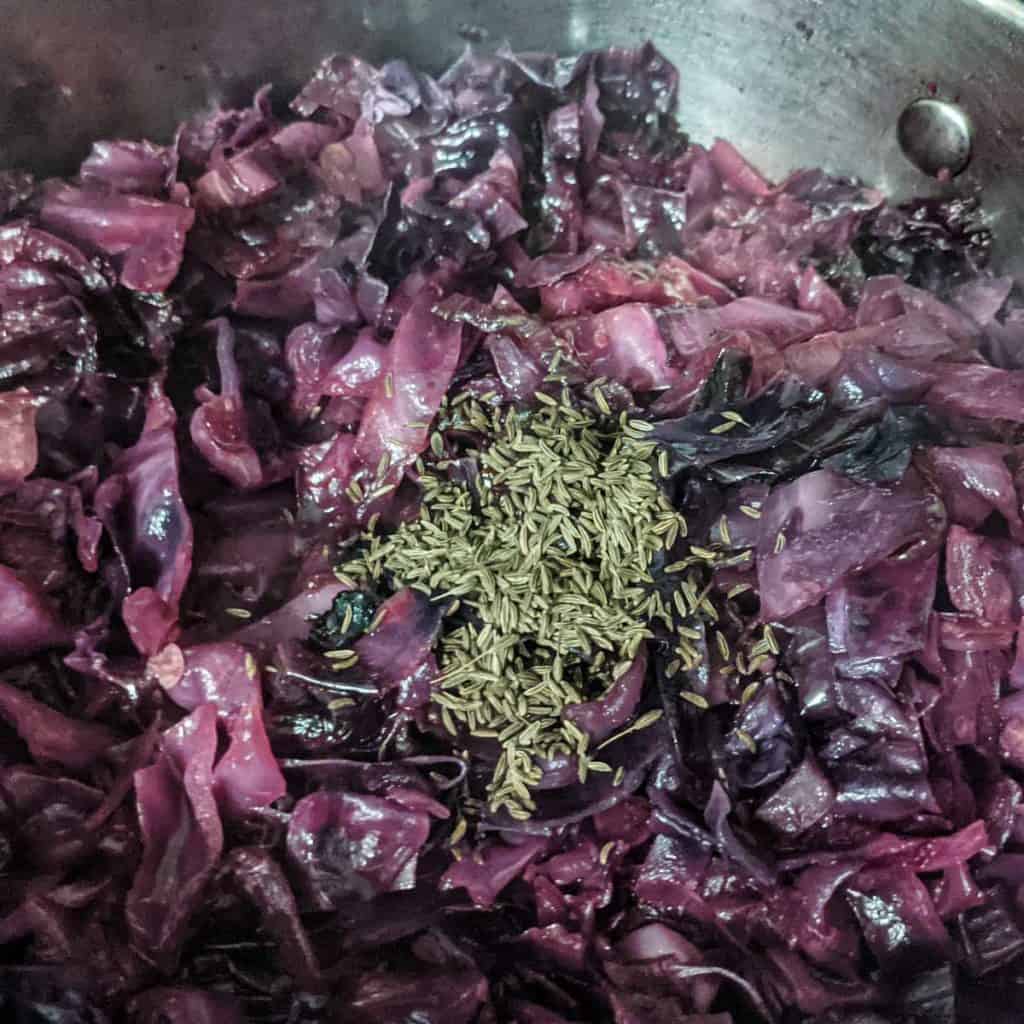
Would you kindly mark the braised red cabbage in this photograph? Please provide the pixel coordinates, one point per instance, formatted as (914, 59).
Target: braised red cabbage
(225, 793)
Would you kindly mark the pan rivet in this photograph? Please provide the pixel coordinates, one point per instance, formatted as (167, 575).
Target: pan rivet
(935, 136)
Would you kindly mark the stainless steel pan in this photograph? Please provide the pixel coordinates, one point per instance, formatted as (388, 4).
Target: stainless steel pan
(793, 82)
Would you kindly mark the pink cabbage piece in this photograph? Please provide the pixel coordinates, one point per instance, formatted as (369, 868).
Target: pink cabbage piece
(219, 427)
(43, 319)
(147, 235)
(830, 526)
(143, 511)
(603, 282)
(247, 776)
(801, 801)
(140, 168)
(519, 373)
(21, 447)
(978, 390)
(491, 868)
(974, 482)
(883, 612)
(625, 344)
(977, 578)
(397, 656)
(291, 620)
(421, 359)
(600, 718)
(351, 845)
(322, 481)
(181, 834)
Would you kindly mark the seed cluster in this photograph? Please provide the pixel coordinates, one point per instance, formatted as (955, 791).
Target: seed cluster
(556, 555)
(541, 539)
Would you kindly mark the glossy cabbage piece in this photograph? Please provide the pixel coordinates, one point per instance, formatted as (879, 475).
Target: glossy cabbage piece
(823, 526)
